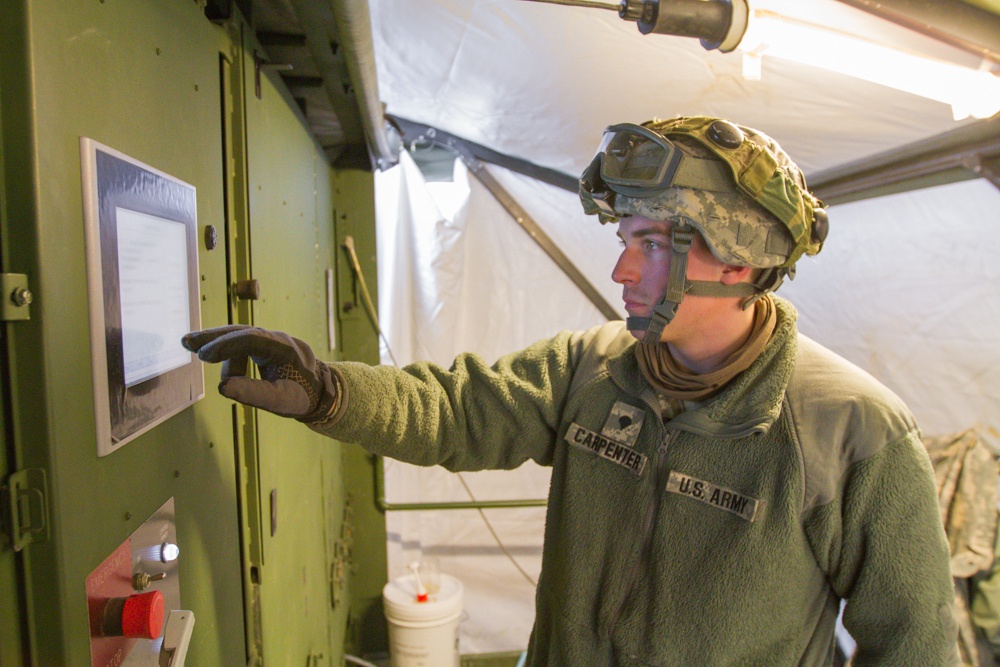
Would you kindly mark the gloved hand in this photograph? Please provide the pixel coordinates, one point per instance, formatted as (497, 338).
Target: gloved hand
(293, 382)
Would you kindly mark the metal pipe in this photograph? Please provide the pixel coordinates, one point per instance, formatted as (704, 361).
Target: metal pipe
(385, 506)
(689, 18)
(581, 3)
(960, 24)
(964, 153)
(354, 26)
(719, 24)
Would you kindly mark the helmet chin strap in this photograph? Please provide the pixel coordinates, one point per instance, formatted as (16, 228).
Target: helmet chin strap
(681, 239)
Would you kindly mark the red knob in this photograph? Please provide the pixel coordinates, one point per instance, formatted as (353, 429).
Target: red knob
(142, 616)
(137, 616)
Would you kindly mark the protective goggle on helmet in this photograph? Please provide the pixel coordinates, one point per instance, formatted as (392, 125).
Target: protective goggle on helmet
(633, 160)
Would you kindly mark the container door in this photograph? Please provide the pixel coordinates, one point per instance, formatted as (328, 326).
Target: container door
(13, 648)
(281, 259)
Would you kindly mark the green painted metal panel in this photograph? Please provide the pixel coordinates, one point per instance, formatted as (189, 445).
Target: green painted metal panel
(300, 494)
(12, 621)
(157, 81)
(17, 125)
(237, 235)
(141, 77)
(354, 214)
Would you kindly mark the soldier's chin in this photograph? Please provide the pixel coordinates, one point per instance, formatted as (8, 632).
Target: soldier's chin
(638, 334)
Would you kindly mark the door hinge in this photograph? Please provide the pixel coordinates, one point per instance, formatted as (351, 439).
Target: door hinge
(15, 297)
(25, 498)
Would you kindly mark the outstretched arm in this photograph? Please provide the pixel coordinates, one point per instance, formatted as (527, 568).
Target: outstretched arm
(293, 383)
(471, 416)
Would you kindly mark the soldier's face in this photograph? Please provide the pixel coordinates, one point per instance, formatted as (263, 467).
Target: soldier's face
(643, 270)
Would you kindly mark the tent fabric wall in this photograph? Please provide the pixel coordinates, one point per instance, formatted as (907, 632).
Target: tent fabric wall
(461, 274)
(904, 288)
(457, 274)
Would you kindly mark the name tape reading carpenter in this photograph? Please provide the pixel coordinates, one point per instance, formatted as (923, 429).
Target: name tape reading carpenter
(606, 448)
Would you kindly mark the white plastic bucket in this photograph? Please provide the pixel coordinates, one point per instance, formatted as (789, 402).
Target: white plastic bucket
(423, 634)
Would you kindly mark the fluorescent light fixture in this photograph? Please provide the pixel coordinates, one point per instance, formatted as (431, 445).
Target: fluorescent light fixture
(970, 92)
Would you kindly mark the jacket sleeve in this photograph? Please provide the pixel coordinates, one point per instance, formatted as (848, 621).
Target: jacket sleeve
(891, 563)
(471, 416)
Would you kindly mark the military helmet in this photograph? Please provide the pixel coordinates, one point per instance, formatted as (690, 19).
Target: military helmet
(732, 184)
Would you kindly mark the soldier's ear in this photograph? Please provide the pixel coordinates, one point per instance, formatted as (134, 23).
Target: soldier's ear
(732, 274)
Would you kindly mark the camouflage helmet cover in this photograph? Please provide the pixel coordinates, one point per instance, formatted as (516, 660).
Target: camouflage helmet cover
(737, 230)
(768, 218)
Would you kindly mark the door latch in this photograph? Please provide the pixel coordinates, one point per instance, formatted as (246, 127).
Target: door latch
(25, 497)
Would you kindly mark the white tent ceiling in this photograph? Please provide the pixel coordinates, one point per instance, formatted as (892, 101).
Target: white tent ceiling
(541, 81)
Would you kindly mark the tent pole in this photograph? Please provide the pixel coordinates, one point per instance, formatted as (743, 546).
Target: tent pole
(972, 151)
(954, 22)
(386, 506)
(538, 235)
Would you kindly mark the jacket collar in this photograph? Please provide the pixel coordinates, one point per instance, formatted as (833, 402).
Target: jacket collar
(750, 403)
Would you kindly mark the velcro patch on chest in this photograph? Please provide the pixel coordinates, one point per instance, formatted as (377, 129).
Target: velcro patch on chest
(624, 423)
(606, 448)
(714, 495)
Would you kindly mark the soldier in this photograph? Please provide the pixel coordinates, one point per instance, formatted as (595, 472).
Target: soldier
(719, 481)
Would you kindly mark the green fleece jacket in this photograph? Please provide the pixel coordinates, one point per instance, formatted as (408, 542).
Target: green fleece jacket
(725, 536)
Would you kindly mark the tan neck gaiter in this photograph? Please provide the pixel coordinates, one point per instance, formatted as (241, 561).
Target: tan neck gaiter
(669, 378)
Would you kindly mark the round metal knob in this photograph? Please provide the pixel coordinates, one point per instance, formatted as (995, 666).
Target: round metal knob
(725, 134)
(211, 237)
(21, 296)
(248, 290)
(821, 225)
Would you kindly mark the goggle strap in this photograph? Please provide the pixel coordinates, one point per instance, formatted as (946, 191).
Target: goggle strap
(699, 174)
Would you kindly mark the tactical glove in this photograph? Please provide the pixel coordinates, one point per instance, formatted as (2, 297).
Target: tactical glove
(293, 382)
